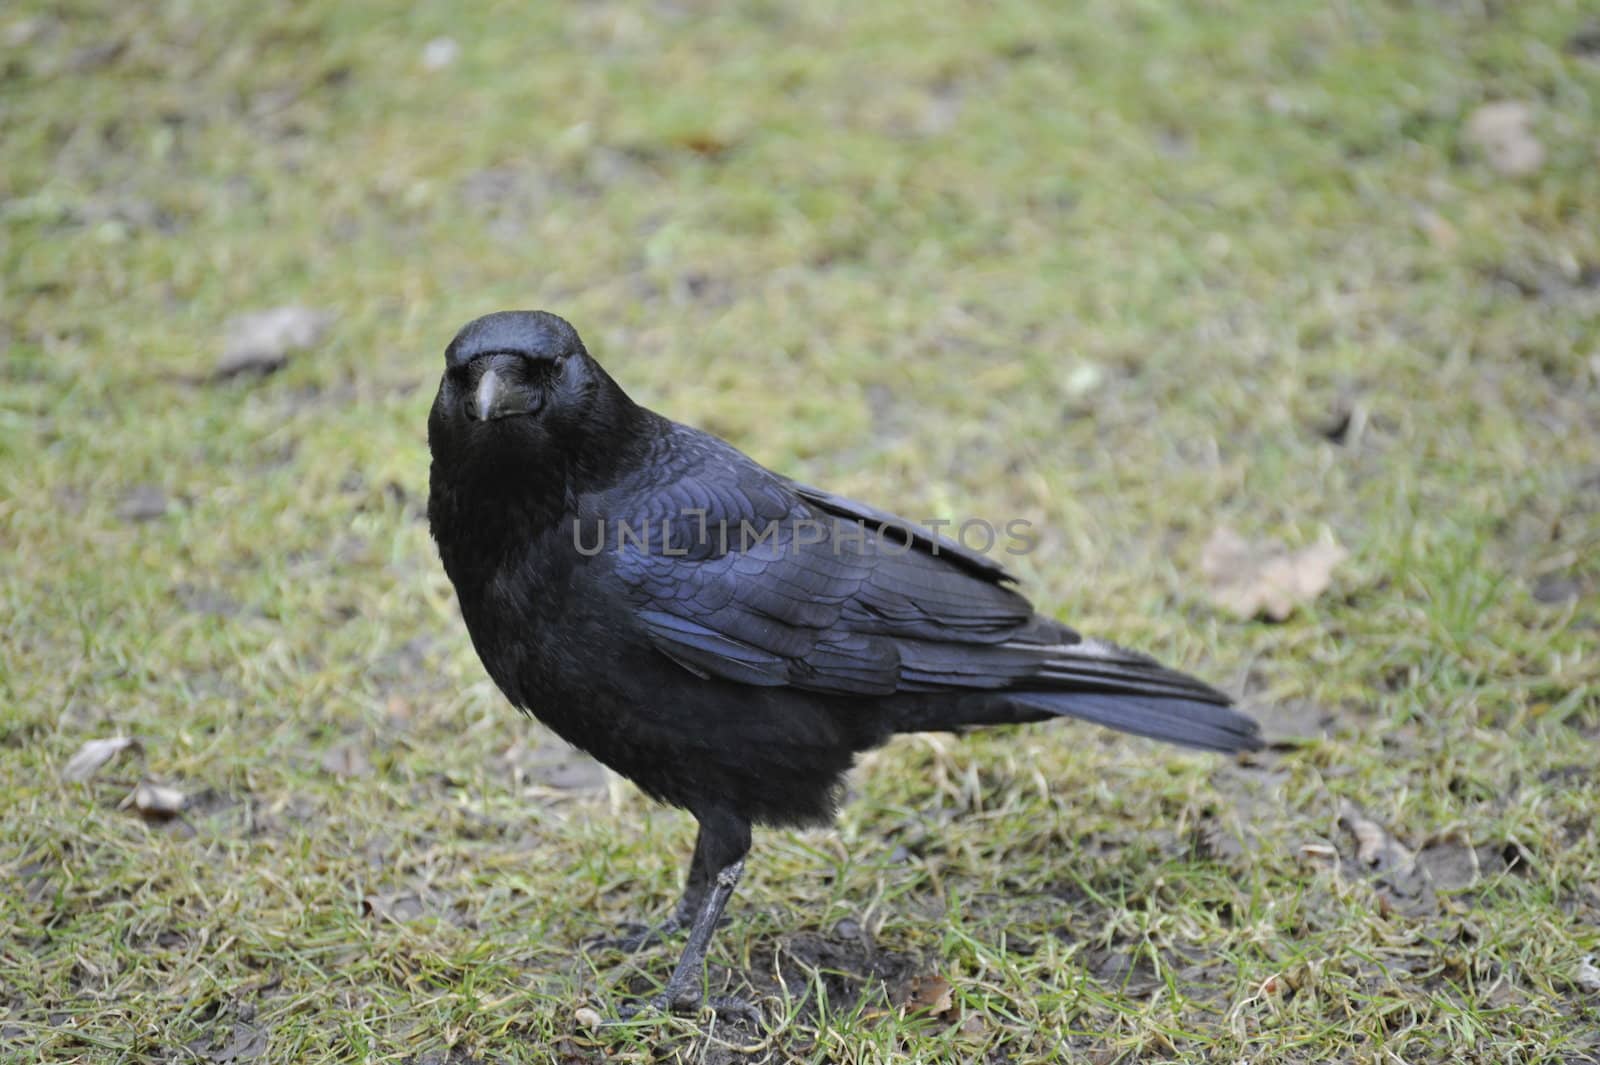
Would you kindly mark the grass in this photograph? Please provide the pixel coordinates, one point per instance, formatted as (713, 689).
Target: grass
(1114, 268)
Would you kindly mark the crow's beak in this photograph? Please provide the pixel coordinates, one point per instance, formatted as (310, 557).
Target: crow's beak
(502, 396)
(489, 390)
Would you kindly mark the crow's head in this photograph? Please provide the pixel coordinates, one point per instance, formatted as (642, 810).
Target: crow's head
(520, 383)
(515, 364)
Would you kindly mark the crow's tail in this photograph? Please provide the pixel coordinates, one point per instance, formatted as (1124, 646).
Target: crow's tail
(1190, 722)
(1121, 689)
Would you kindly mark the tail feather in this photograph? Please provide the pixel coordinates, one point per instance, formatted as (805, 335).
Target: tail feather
(1206, 725)
(1131, 692)
(1179, 687)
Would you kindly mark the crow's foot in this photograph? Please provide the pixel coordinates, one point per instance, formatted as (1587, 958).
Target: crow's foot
(726, 1007)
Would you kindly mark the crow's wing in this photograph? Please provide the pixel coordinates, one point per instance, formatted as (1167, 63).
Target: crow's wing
(771, 583)
(899, 529)
(754, 579)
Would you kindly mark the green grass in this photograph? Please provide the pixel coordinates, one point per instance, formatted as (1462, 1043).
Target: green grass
(882, 248)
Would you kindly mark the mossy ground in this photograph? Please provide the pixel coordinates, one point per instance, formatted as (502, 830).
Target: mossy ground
(1116, 268)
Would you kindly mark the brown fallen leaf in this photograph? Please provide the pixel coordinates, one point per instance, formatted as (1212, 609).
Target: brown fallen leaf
(705, 144)
(1376, 849)
(346, 760)
(1402, 886)
(929, 993)
(94, 754)
(1279, 983)
(400, 907)
(1503, 132)
(1266, 579)
(1319, 853)
(156, 801)
(260, 343)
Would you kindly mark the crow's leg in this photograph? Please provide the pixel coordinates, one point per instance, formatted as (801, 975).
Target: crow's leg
(724, 842)
(683, 987)
(694, 888)
(640, 936)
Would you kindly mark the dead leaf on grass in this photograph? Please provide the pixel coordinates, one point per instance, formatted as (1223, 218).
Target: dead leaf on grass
(1503, 132)
(398, 906)
(346, 760)
(1266, 579)
(156, 801)
(1319, 854)
(928, 993)
(1291, 979)
(1587, 976)
(94, 754)
(261, 343)
(1376, 849)
(704, 144)
(1401, 885)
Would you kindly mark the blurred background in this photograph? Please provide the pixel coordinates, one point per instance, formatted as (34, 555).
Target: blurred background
(1277, 320)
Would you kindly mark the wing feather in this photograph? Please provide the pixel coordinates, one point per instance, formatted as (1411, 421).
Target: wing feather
(825, 601)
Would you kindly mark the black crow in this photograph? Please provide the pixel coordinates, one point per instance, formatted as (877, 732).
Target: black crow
(724, 637)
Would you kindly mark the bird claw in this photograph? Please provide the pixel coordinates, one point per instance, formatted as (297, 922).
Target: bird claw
(726, 1007)
(732, 1007)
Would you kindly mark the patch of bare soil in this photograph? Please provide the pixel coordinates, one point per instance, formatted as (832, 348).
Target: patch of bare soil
(816, 974)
